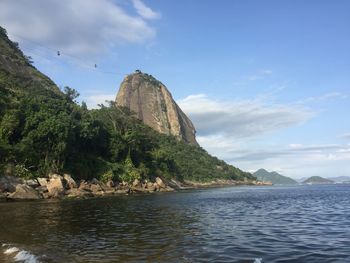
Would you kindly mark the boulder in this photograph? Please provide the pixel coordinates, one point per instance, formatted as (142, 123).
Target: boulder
(136, 183)
(95, 181)
(24, 191)
(138, 190)
(55, 186)
(175, 184)
(42, 181)
(123, 191)
(167, 189)
(160, 182)
(32, 183)
(70, 183)
(110, 184)
(46, 195)
(96, 189)
(107, 188)
(84, 186)
(150, 187)
(55, 176)
(156, 187)
(9, 183)
(109, 191)
(78, 193)
(41, 189)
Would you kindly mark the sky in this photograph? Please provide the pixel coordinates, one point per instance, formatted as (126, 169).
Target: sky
(266, 83)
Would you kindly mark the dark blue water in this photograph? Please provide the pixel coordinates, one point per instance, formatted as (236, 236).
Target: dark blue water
(237, 224)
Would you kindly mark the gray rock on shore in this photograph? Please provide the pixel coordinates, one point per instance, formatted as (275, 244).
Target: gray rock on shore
(70, 182)
(78, 193)
(24, 191)
(42, 181)
(55, 186)
(160, 182)
(8, 183)
(58, 186)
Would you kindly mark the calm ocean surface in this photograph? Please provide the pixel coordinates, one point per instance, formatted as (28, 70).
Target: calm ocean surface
(236, 224)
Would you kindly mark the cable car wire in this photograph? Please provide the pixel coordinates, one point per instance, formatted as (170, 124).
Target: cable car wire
(61, 54)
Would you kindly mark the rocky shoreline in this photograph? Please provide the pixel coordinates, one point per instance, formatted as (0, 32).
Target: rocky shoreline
(57, 186)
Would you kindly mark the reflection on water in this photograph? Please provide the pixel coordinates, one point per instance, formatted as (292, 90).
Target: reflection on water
(239, 224)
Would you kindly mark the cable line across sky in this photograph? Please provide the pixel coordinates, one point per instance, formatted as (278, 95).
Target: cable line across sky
(49, 53)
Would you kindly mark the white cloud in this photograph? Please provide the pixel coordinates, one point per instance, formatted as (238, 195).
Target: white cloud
(232, 131)
(144, 11)
(266, 71)
(241, 119)
(260, 74)
(93, 100)
(296, 161)
(325, 97)
(313, 152)
(313, 148)
(345, 136)
(75, 27)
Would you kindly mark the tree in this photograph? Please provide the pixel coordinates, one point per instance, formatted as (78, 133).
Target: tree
(71, 94)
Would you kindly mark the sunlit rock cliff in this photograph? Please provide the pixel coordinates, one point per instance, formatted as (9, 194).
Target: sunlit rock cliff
(153, 104)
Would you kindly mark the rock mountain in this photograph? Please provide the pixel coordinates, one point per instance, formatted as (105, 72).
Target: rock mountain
(153, 104)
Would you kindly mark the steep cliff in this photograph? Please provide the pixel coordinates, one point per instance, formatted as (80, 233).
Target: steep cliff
(17, 75)
(153, 104)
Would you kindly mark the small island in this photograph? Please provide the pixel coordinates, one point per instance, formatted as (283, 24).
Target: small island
(317, 180)
(273, 177)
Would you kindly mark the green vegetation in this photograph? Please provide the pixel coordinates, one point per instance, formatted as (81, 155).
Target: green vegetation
(44, 130)
(273, 177)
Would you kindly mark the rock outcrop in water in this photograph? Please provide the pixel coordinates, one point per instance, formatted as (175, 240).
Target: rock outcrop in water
(153, 104)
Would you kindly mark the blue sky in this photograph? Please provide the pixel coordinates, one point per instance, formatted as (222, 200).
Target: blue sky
(266, 83)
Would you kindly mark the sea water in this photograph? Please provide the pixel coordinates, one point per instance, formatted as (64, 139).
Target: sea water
(234, 224)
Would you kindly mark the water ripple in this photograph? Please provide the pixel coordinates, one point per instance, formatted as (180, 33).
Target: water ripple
(239, 224)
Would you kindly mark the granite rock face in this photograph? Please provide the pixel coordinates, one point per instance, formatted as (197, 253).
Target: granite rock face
(153, 104)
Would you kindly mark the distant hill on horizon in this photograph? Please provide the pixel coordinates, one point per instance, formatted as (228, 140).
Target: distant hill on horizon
(317, 180)
(339, 179)
(273, 177)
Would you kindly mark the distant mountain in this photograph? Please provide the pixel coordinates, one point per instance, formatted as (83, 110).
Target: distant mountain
(301, 180)
(273, 177)
(340, 179)
(317, 180)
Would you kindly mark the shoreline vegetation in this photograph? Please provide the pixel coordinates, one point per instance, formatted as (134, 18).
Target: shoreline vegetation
(65, 187)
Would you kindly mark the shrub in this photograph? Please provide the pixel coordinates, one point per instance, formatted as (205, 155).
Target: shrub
(21, 171)
(130, 172)
(107, 176)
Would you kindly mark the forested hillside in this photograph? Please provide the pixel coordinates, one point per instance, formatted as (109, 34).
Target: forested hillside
(43, 130)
